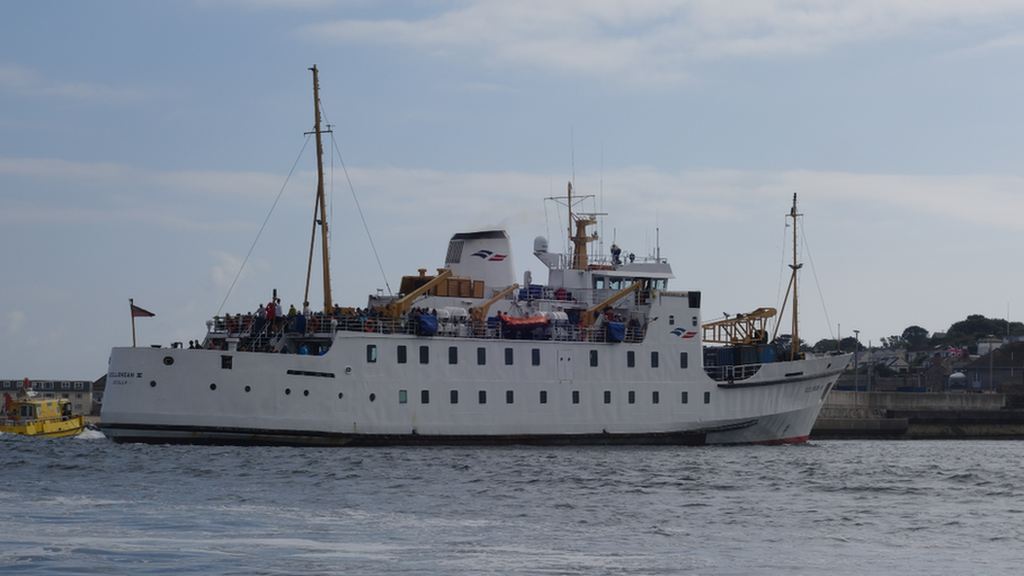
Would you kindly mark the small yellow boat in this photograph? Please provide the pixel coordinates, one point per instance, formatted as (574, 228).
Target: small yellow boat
(39, 416)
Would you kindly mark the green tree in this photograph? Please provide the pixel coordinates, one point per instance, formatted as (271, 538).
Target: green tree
(915, 336)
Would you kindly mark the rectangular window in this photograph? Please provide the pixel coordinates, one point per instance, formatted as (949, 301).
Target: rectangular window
(632, 397)
(66, 385)
(655, 397)
(424, 396)
(593, 357)
(686, 398)
(684, 360)
(402, 355)
(607, 397)
(654, 359)
(707, 397)
(403, 396)
(455, 396)
(630, 359)
(371, 353)
(481, 356)
(575, 396)
(453, 354)
(424, 354)
(482, 397)
(508, 356)
(536, 356)
(508, 397)
(543, 396)
(225, 364)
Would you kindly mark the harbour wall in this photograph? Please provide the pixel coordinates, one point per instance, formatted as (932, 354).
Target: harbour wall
(903, 415)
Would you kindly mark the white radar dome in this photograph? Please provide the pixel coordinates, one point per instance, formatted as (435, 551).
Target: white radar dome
(540, 244)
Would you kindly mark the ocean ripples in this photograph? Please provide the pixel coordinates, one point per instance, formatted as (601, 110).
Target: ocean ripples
(840, 507)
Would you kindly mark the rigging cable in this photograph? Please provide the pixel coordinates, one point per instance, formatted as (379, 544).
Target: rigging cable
(264, 225)
(362, 217)
(818, 285)
(782, 269)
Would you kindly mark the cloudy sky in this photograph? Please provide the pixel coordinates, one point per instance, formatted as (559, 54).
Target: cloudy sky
(144, 146)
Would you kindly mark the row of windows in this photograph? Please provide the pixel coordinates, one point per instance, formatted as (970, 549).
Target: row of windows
(453, 397)
(402, 356)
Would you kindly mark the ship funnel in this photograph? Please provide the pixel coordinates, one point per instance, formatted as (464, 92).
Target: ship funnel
(485, 255)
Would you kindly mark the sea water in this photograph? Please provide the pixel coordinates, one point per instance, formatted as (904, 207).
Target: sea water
(85, 505)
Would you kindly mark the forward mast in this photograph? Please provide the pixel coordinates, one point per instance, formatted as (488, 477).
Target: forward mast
(320, 211)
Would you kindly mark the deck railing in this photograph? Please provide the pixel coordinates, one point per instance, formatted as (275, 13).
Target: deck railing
(254, 333)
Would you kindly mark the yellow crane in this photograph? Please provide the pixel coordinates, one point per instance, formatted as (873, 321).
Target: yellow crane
(749, 328)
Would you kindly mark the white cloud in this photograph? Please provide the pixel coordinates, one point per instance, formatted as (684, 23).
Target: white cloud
(653, 41)
(29, 83)
(169, 198)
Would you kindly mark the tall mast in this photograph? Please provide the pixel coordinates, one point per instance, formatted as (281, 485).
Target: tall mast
(795, 266)
(321, 206)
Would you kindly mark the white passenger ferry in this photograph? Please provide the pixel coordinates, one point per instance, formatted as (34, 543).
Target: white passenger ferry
(604, 352)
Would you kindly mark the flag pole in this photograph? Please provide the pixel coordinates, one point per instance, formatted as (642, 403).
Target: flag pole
(131, 304)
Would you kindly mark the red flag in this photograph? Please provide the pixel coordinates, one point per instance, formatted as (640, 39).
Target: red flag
(136, 312)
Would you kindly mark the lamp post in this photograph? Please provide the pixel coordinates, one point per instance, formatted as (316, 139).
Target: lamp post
(856, 357)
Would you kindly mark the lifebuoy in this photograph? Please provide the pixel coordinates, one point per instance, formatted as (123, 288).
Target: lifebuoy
(369, 326)
(314, 323)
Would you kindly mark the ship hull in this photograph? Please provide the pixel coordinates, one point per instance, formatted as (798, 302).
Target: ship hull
(553, 397)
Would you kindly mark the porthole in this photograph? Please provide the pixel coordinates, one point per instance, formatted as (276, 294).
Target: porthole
(287, 391)
(213, 386)
(248, 389)
(168, 360)
(348, 369)
(305, 392)
(372, 397)
(340, 395)
(152, 383)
